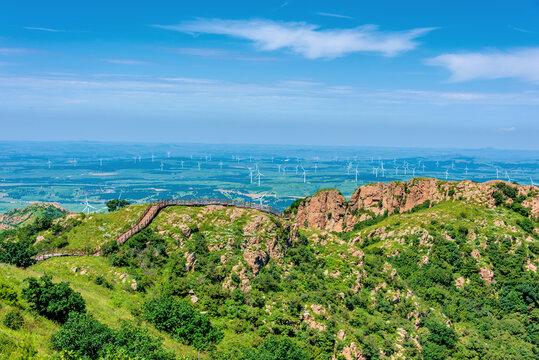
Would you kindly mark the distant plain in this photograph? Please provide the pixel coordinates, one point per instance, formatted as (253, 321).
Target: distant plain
(68, 173)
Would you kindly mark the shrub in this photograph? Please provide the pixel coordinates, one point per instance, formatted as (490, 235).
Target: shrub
(82, 334)
(184, 323)
(17, 253)
(138, 343)
(13, 320)
(8, 294)
(274, 348)
(54, 301)
(526, 225)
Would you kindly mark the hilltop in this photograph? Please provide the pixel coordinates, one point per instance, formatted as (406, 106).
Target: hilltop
(425, 269)
(20, 217)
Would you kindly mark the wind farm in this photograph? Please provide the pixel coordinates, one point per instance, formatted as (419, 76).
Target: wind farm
(140, 173)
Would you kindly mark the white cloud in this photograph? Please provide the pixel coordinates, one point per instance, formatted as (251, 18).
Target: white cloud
(520, 64)
(306, 39)
(41, 29)
(335, 15)
(125, 61)
(509, 129)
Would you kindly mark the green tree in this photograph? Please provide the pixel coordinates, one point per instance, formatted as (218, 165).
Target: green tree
(18, 253)
(115, 204)
(83, 335)
(183, 322)
(54, 301)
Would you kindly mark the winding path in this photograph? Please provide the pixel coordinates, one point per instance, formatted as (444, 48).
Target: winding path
(148, 215)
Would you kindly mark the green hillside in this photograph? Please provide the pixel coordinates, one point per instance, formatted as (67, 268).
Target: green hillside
(456, 281)
(21, 217)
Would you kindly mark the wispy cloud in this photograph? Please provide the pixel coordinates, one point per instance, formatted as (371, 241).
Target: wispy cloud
(520, 64)
(41, 29)
(125, 61)
(509, 129)
(173, 90)
(306, 39)
(522, 30)
(218, 53)
(5, 51)
(335, 15)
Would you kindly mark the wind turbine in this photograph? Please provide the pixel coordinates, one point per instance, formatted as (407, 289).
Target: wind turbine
(497, 173)
(49, 162)
(251, 174)
(101, 162)
(279, 166)
(396, 170)
(304, 176)
(74, 162)
(531, 180)
(357, 172)
(446, 173)
(168, 154)
(466, 170)
(162, 165)
(221, 165)
(199, 166)
(315, 168)
(258, 175)
(88, 207)
(262, 197)
(153, 157)
(413, 172)
(182, 164)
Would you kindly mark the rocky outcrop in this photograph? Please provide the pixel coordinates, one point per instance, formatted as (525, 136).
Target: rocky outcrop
(255, 259)
(328, 209)
(324, 210)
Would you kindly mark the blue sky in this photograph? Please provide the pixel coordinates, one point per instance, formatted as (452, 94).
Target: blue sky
(400, 73)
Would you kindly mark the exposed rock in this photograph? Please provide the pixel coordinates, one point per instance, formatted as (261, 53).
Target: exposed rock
(318, 309)
(194, 299)
(476, 254)
(190, 261)
(255, 224)
(134, 285)
(255, 259)
(530, 266)
(39, 238)
(459, 283)
(311, 323)
(487, 275)
(341, 335)
(328, 209)
(533, 205)
(323, 210)
(352, 352)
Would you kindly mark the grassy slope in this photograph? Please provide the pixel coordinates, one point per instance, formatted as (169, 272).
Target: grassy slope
(110, 306)
(341, 265)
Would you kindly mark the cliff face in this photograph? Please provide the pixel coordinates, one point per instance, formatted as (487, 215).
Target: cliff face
(328, 209)
(325, 210)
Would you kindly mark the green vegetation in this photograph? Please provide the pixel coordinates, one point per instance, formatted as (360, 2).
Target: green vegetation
(115, 204)
(54, 301)
(450, 280)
